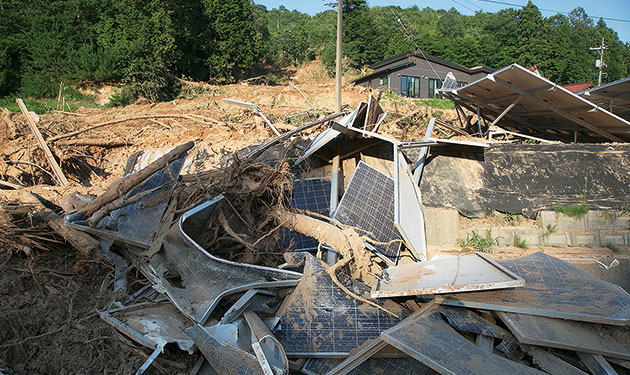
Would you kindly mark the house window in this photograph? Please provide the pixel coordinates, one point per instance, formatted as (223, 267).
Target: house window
(410, 86)
(383, 80)
(434, 84)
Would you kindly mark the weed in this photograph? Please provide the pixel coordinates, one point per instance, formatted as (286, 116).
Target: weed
(611, 216)
(552, 228)
(612, 247)
(625, 210)
(476, 241)
(520, 242)
(575, 210)
(511, 219)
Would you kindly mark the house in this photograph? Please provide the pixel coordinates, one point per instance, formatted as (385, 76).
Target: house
(417, 75)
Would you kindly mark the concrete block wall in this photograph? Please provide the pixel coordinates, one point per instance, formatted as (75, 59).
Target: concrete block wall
(595, 229)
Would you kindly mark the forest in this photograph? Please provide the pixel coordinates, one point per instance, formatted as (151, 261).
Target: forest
(149, 45)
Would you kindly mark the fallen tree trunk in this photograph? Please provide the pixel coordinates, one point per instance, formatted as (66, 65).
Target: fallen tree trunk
(123, 186)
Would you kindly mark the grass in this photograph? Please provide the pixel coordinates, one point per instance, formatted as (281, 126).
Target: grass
(476, 241)
(552, 228)
(436, 103)
(37, 106)
(574, 210)
(511, 219)
(612, 247)
(520, 242)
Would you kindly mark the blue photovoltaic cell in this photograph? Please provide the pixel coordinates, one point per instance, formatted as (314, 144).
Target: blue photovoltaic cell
(322, 320)
(368, 203)
(313, 195)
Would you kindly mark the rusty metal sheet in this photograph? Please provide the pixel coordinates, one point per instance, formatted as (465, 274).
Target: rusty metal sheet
(607, 340)
(204, 277)
(461, 273)
(426, 337)
(555, 289)
(319, 319)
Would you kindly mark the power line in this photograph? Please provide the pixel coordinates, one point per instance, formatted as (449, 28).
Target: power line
(414, 42)
(462, 5)
(552, 10)
(475, 5)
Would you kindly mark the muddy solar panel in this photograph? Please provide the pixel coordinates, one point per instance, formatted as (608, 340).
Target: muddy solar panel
(313, 195)
(368, 204)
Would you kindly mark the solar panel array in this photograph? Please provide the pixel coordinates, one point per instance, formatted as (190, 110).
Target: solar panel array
(368, 204)
(313, 195)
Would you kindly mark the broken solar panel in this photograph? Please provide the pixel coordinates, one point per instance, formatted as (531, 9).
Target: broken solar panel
(368, 204)
(319, 319)
(312, 195)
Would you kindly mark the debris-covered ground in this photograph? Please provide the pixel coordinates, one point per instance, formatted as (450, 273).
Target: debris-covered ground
(199, 236)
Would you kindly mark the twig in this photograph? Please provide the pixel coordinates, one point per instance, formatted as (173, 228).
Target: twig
(33, 338)
(268, 234)
(31, 164)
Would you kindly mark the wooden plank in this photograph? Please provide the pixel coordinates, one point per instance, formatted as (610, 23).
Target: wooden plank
(612, 341)
(59, 176)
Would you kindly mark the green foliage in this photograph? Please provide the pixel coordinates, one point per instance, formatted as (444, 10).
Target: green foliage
(574, 210)
(476, 241)
(146, 44)
(552, 228)
(122, 98)
(520, 242)
(37, 106)
(235, 41)
(272, 80)
(436, 103)
(511, 219)
(612, 247)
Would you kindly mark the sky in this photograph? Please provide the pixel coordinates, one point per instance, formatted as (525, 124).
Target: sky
(617, 11)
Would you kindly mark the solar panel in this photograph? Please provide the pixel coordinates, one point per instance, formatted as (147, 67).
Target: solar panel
(398, 366)
(368, 204)
(450, 82)
(313, 195)
(320, 319)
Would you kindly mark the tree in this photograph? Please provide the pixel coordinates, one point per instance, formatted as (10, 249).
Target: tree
(234, 42)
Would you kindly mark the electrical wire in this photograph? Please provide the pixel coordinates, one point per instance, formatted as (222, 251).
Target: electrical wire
(415, 44)
(551, 10)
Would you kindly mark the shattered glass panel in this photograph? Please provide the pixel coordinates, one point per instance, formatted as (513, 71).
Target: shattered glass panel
(319, 318)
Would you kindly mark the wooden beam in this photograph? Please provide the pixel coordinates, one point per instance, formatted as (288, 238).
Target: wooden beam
(559, 111)
(57, 172)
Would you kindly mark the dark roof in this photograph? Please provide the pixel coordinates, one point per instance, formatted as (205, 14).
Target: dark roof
(430, 58)
(381, 72)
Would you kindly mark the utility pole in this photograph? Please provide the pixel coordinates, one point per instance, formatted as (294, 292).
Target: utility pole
(600, 62)
(338, 67)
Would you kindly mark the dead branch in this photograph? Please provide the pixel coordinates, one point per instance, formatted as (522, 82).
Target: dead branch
(118, 121)
(94, 142)
(119, 203)
(123, 186)
(232, 233)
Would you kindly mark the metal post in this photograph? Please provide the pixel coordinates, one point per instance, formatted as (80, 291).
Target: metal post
(338, 67)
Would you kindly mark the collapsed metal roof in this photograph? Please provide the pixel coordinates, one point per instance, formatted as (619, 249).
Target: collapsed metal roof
(521, 99)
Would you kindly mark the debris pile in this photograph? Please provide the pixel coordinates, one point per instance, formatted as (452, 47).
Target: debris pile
(309, 256)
